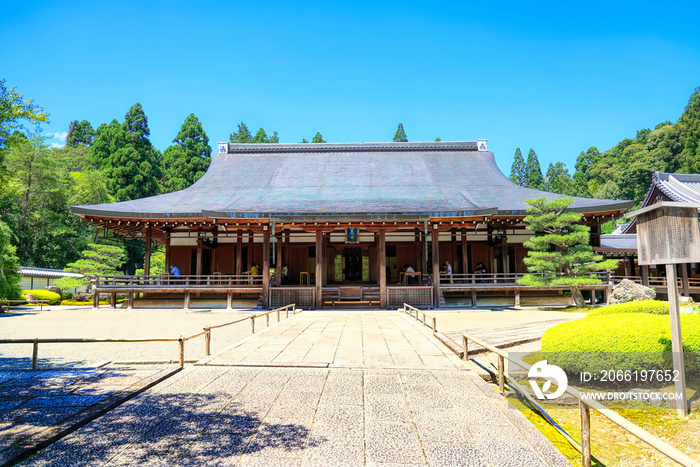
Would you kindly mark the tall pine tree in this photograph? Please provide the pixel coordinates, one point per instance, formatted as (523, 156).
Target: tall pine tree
(561, 255)
(533, 172)
(400, 135)
(517, 170)
(186, 161)
(318, 138)
(243, 135)
(80, 133)
(128, 159)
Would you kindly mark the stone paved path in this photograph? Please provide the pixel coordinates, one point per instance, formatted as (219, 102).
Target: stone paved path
(376, 390)
(39, 406)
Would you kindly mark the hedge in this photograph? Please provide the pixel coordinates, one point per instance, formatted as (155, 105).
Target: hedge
(52, 297)
(655, 307)
(631, 341)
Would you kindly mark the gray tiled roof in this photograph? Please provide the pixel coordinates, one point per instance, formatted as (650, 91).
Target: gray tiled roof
(429, 179)
(619, 241)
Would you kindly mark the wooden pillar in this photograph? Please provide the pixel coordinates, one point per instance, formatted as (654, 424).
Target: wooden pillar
(214, 264)
(381, 252)
(504, 253)
(199, 255)
(676, 340)
(167, 251)
(453, 250)
(250, 251)
(436, 266)
(424, 254)
(465, 252)
(685, 285)
(147, 253)
(266, 267)
(239, 253)
(645, 275)
(278, 261)
(417, 246)
(319, 269)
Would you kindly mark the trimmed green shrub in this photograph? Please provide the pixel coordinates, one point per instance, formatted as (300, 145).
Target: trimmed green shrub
(52, 297)
(631, 341)
(655, 307)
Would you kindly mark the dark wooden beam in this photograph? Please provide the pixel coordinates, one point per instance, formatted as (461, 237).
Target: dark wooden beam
(319, 269)
(383, 303)
(436, 266)
(266, 268)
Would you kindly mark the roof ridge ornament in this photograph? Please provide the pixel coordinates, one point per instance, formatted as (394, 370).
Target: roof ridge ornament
(482, 144)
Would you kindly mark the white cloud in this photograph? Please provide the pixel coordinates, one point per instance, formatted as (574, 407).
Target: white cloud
(57, 145)
(60, 135)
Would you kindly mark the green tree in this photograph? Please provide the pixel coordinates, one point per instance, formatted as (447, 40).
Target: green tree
(318, 138)
(560, 181)
(559, 254)
(127, 157)
(437, 139)
(100, 260)
(9, 265)
(583, 165)
(400, 135)
(14, 111)
(157, 262)
(517, 170)
(80, 133)
(188, 159)
(533, 172)
(242, 135)
(690, 129)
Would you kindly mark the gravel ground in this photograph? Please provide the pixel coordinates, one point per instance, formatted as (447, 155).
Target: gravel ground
(116, 323)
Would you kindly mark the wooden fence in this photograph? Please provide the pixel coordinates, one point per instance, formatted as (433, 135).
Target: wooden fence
(584, 408)
(206, 332)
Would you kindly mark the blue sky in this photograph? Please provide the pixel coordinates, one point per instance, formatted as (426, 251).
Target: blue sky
(557, 77)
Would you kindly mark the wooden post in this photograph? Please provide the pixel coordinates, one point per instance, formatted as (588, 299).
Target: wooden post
(130, 301)
(278, 263)
(250, 251)
(424, 254)
(266, 268)
(465, 252)
(267, 320)
(436, 265)
(95, 294)
(501, 374)
(113, 300)
(676, 340)
(199, 256)
(229, 300)
(517, 297)
(504, 254)
(35, 354)
(147, 253)
(382, 269)
(207, 341)
(645, 275)
(239, 253)
(182, 351)
(417, 246)
(319, 269)
(167, 251)
(252, 324)
(473, 298)
(187, 301)
(453, 249)
(585, 433)
(465, 343)
(434, 324)
(684, 278)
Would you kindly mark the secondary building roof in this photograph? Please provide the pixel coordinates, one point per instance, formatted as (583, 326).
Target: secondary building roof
(436, 179)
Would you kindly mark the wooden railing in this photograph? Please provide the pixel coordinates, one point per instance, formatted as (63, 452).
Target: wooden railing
(415, 312)
(584, 407)
(206, 332)
(498, 278)
(5, 303)
(209, 280)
